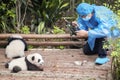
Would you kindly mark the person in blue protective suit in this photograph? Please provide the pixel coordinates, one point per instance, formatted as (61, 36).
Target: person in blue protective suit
(94, 23)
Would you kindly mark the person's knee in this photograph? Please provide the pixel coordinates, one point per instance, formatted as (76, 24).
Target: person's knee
(87, 52)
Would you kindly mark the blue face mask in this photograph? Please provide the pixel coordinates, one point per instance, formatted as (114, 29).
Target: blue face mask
(87, 18)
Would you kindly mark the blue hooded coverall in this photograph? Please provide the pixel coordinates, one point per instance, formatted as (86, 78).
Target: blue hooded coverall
(98, 27)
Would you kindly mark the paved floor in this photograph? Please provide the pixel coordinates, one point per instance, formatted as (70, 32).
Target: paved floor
(66, 64)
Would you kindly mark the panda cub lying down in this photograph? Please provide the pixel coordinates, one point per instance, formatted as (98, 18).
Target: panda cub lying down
(15, 47)
(32, 62)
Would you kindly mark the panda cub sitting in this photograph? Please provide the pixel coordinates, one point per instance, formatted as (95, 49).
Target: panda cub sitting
(32, 62)
(15, 47)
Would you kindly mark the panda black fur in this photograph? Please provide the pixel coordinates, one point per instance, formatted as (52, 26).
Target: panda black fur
(15, 47)
(31, 62)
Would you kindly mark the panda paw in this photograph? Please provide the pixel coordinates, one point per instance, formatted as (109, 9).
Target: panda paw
(6, 65)
(16, 69)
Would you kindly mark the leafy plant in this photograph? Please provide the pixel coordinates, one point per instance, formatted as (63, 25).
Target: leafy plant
(57, 30)
(41, 27)
(116, 59)
(12, 15)
(25, 30)
(7, 16)
(47, 11)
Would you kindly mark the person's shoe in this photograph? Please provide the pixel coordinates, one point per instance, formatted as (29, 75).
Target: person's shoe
(101, 61)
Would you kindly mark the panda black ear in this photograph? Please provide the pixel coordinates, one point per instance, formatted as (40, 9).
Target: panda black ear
(33, 58)
(9, 39)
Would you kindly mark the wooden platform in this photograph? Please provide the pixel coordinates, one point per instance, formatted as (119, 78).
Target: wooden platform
(66, 64)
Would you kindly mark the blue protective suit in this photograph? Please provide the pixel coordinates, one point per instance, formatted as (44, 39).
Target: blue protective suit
(99, 25)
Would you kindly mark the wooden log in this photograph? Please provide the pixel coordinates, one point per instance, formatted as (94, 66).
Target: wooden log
(47, 39)
(48, 43)
(41, 36)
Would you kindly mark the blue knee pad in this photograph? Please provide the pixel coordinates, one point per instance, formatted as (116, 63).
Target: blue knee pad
(101, 61)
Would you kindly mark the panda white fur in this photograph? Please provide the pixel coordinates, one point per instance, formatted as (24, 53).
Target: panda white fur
(31, 62)
(15, 47)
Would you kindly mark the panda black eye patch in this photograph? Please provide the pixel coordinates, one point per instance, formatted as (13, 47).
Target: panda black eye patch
(33, 58)
(39, 60)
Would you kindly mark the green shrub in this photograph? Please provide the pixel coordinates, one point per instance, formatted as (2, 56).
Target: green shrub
(116, 59)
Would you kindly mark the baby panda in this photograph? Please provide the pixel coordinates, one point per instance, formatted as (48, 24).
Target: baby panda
(15, 47)
(32, 62)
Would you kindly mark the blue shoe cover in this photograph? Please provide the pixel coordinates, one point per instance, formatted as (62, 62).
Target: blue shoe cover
(101, 61)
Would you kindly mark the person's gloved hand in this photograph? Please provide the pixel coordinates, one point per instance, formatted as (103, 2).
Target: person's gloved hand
(75, 24)
(101, 61)
(82, 33)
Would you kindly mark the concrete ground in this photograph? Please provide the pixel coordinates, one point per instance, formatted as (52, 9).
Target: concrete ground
(66, 64)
